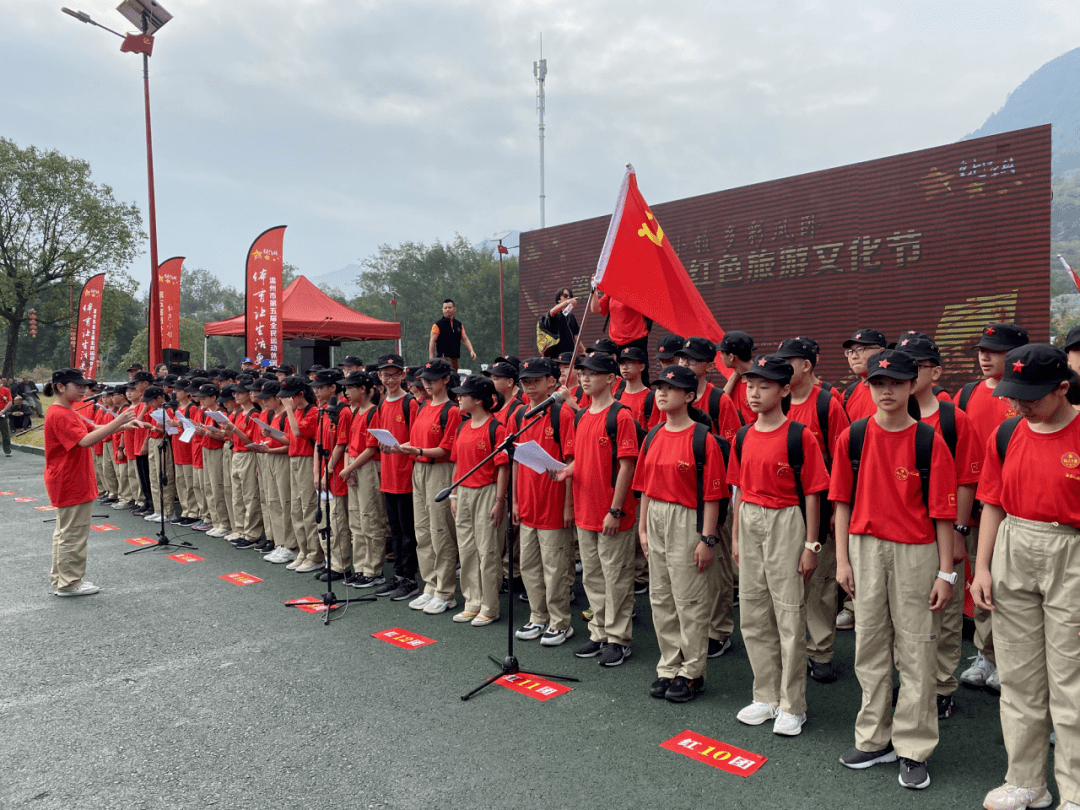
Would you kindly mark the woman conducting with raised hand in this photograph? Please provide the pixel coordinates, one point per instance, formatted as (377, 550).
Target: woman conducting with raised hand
(1028, 573)
(564, 321)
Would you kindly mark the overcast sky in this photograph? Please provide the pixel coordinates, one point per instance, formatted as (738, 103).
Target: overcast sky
(362, 122)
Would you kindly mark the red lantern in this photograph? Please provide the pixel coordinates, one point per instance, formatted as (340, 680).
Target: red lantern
(33, 323)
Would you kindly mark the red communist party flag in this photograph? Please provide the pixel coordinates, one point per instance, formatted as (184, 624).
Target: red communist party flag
(88, 330)
(169, 303)
(262, 298)
(137, 43)
(639, 267)
(1070, 271)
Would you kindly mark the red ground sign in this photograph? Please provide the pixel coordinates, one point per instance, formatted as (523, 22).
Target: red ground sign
(184, 557)
(403, 638)
(309, 604)
(141, 541)
(105, 527)
(713, 752)
(533, 686)
(25, 500)
(239, 578)
(45, 508)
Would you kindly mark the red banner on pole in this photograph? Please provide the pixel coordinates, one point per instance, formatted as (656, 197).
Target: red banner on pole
(88, 329)
(262, 297)
(169, 304)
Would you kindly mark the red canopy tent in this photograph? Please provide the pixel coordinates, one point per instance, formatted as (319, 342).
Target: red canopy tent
(308, 312)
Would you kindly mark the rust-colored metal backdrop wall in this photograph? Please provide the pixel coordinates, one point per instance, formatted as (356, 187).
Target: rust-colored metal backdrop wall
(942, 241)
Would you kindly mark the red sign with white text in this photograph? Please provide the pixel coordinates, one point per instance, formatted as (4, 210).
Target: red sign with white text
(7, 493)
(403, 638)
(104, 527)
(239, 578)
(309, 604)
(45, 508)
(713, 752)
(169, 301)
(25, 500)
(88, 328)
(534, 687)
(262, 299)
(140, 541)
(185, 557)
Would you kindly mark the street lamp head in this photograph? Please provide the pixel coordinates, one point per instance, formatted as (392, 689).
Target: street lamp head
(81, 16)
(147, 15)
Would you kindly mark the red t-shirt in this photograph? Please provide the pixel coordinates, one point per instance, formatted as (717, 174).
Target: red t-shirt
(667, 472)
(861, 403)
(182, 451)
(471, 446)
(507, 410)
(137, 437)
(396, 469)
(358, 434)
(742, 404)
(1041, 477)
(328, 435)
(247, 423)
(5, 396)
(806, 413)
(197, 441)
(889, 504)
(986, 411)
(539, 499)
(426, 430)
(636, 403)
(590, 447)
(626, 324)
(968, 450)
(728, 423)
(764, 476)
(208, 442)
(69, 469)
(307, 419)
(279, 421)
(100, 418)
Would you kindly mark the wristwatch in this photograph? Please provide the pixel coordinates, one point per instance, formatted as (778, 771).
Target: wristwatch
(814, 547)
(710, 540)
(950, 577)
(617, 513)
(964, 530)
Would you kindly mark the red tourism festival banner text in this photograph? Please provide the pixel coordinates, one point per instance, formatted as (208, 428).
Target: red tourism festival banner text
(169, 300)
(88, 332)
(262, 297)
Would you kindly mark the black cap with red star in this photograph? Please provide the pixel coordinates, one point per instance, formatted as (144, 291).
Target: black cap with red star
(737, 343)
(868, 336)
(435, 369)
(668, 345)
(770, 367)
(920, 349)
(1032, 372)
(892, 363)
(1002, 337)
(698, 348)
(677, 377)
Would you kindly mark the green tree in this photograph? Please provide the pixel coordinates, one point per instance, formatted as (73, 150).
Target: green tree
(57, 228)
(191, 340)
(420, 277)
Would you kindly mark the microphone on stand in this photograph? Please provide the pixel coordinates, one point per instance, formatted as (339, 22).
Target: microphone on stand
(547, 403)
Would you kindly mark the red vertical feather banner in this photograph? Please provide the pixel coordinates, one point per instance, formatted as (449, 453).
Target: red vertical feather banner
(88, 328)
(262, 297)
(169, 304)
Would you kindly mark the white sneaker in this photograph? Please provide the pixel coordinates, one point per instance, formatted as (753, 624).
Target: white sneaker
(577, 568)
(977, 673)
(154, 518)
(421, 602)
(437, 605)
(1010, 797)
(285, 555)
(530, 631)
(757, 713)
(788, 725)
(553, 638)
(215, 532)
(84, 588)
(309, 565)
(233, 536)
(845, 620)
(273, 556)
(296, 563)
(993, 681)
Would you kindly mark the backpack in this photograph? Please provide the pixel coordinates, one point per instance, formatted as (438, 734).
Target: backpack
(555, 412)
(493, 425)
(795, 456)
(850, 390)
(650, 402)
(1004, 435)
(924, 445)
(822, 406)
(405, 401)
(947, 415)
(611, 427)
(697, 443)
(965, 394)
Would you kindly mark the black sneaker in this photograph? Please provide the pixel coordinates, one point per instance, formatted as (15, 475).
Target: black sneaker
(946, 706)
(641, 587)
(364, 581)
(614, 654)
(858, 760)
(388, 587)
(243, 543)
(406, 589)
(590, 649)
(523, 597)
(659, 687)
(821, 671)
(329, 576)
(351, 578)
(683, 690)
(913, 774)
(718, 647)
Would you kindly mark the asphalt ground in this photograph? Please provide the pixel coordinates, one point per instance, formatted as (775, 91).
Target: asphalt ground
(173, 688)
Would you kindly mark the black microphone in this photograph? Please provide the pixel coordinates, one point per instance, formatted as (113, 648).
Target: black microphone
(554, 399)
(443, 495)
(334, 410)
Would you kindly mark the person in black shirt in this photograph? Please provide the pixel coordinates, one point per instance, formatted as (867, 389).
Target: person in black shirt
(447, 336)
(564, 321)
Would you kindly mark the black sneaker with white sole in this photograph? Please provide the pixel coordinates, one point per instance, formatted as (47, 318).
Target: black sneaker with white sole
(388, 587)
(718, 647)
(858, 760)
(946, 706)
(614, 654)
(913, 774)
(406, 589)
(243, 543)
(590, 649)
(683, 690)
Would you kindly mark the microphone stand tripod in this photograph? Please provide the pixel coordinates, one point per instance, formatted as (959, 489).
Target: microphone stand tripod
(163, 480)
(509, 665)
(329, 599)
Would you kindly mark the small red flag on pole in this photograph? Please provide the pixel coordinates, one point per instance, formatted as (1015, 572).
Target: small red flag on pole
(138, 43)
(1072, 273)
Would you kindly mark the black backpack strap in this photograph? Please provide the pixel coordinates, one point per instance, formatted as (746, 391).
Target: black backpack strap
(554, 412)
(947, 417)
(650, 402)
(444, 415)
(924, 454)
(405, 402)
(714, 408)
(697, 442)
(619, 389)
(965, 395)
(493, 426)
(850, 390)
(856, 438)
(740, 439)
(1004, 435)
(825, 386)
(795, 461)
(648, 441)
(822, 405)
(611, 426)
(938, 390)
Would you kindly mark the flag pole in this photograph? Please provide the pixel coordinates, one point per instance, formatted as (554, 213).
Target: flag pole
(581, 329)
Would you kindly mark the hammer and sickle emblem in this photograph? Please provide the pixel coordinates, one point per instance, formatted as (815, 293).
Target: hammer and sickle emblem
(644, 230)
